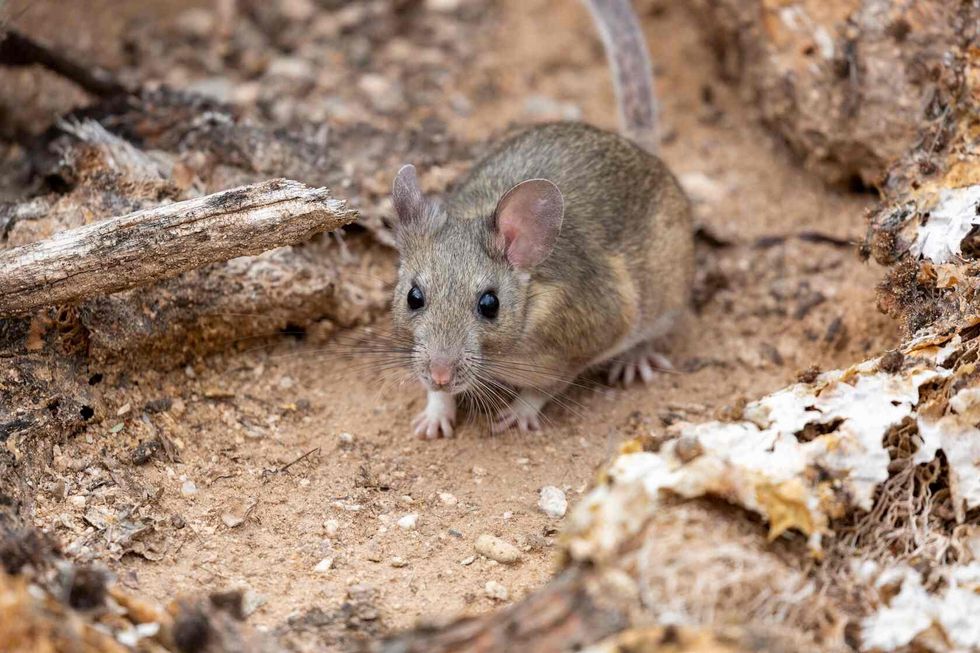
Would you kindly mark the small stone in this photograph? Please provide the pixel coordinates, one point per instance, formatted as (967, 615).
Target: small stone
(285, 383)
(382, 92)
(701, 188)
(543, 107)
(197, 22)
(124, 410)
(455, 533)
(688, 448)
(251, 601)
(219, 89)
(467, 561)
(408, 522)
(497, 549)
(117, 427)
(324, 566)
(552, 502)
(331, 526)
(232, 520)
(188, 489)
(496, 591)
(448, 499)
(479, 471)
(297, 10)
(398, 562)
(346, 439)
(442, 5)
(77, 500)
(295, 69)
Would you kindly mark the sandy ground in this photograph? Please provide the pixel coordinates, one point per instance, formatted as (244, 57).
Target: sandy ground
(290, 455)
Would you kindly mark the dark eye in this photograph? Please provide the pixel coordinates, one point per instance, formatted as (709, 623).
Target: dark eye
(488, 305)
(416, 299)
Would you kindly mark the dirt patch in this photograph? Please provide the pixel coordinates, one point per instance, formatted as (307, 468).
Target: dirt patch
(289, 472)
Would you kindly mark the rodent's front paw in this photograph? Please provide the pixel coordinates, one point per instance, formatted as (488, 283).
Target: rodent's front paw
(526, 418)
(438, 418)
(429, 427)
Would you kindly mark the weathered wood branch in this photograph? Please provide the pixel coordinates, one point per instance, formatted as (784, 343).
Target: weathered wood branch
(146, 246)
(565, 615)
(17, 49)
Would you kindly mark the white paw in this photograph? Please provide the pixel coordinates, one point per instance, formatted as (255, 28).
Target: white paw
(524, 416)
(639, 364)
(438, 419)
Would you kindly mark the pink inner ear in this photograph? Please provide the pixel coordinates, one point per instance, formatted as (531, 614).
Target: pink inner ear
(529, 219)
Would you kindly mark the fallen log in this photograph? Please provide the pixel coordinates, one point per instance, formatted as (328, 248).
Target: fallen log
(146, 246)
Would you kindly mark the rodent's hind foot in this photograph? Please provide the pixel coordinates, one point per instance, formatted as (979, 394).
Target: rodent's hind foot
(438, 419)
(638, 364)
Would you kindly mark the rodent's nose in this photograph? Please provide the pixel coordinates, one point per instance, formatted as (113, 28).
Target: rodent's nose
(441, 372)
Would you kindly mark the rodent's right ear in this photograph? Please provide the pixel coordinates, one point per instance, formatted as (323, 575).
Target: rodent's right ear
(407, 195)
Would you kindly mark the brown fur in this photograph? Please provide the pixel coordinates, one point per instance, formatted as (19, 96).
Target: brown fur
(623, 261)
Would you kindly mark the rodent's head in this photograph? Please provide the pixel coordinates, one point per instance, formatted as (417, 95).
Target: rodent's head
(463, 284)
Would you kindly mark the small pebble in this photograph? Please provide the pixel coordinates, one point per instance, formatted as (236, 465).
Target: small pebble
(552, 502)
(442, 5)
(77, 500)
(231, 520)
(188, 489)
(346, 438)
(251, 601)
(331, 526)
(408, 522)
(467, 561)
(496, 591)
(324, 566)
(124, 410)
(497, 549)
(397, 562)
(448, 499)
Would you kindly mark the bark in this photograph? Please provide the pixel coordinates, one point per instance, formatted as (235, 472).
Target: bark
(565, 615)
(146, 246)
(849, 85)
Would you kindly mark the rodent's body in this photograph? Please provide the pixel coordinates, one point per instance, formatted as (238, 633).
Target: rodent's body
(621, 269)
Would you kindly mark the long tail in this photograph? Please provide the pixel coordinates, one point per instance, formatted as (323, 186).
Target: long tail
(632, 71)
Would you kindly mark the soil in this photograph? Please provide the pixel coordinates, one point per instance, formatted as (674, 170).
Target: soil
(285, 455)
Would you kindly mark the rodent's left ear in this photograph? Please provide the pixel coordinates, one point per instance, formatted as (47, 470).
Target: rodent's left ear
(406, 194)
(528, 219)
